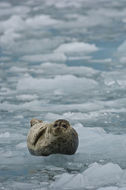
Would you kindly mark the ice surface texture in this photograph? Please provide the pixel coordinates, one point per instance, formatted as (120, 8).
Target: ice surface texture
(95, 176)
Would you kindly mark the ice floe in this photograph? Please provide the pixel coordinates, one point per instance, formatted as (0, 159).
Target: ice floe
(94, 176)
(67, 83)
(76, 48)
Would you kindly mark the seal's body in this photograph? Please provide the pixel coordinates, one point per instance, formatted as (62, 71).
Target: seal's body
(44, 139)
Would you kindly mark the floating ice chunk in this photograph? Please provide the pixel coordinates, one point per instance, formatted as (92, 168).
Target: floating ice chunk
(19, 117)
(109, 82)
(100, 175)
(39, 49)
(95, 142)
(64, 4)
(122, 59)
(14, 23)
(53, 57)
(73, 116)
(123, 179)
(5, 4)
(63, 179)
(76, 48)
(6, 154)
(121, 49)
(8, 37)
(64, 69)
(107, 60)
(111, 188)
(5, 91)
(4, 135)
(21, 185)
(7, 106)
(95, 176)
(18, 69)
(41, 20)
(58, 92)
(66, 83)
(52, 116)
(10, 31)
(21, 145)
(122, 82)
(115, 78)
(32, 105)
(6, 9)
(27, 97)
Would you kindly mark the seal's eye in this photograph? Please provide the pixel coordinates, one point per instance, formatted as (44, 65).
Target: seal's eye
(64, 126)
(55, 125)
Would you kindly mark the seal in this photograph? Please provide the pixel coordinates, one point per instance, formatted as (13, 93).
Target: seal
(52, 138)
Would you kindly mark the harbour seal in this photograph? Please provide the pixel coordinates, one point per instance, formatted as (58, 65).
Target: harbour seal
(58, 137)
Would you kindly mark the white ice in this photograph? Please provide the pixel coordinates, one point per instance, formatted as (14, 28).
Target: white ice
(76, 48)
(95, 141)
(67, 83)
(96, 175)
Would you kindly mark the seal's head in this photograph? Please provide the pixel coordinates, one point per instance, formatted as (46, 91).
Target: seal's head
(60, 127)
(57, 137)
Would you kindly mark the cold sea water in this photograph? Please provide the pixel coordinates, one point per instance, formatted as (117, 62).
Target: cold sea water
(63, 60)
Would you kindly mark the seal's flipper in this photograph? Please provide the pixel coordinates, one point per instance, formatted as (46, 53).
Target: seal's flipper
(37, 136)
(34, 121)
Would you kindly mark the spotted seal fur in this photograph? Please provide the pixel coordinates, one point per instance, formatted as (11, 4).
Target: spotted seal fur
(51, 138)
